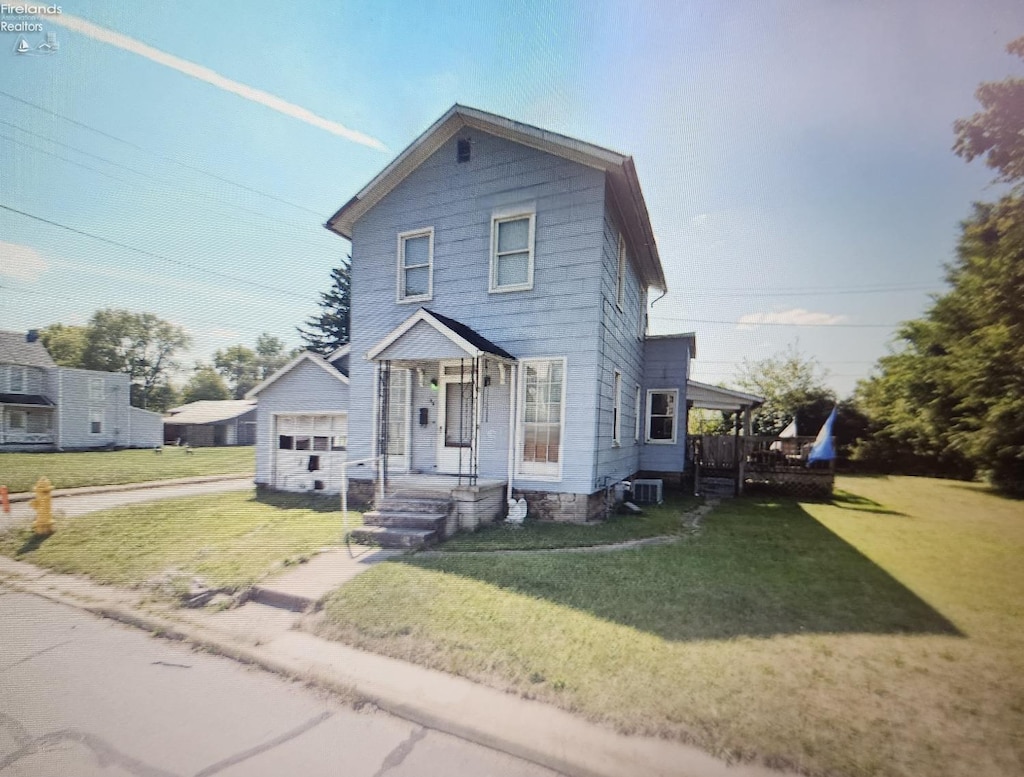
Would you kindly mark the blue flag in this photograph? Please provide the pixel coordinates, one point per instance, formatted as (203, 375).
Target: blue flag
(823, 449)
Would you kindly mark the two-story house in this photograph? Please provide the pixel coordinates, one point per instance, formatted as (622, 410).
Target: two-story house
(501, 275)
(46, 407)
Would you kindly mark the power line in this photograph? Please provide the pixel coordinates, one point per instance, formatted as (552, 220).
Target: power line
(264, 218)
(65, 159)
(808, 293)
(154, 255)
(776, 323)
(185, 165)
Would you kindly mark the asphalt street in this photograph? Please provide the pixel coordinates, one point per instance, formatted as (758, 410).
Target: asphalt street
(88, 697)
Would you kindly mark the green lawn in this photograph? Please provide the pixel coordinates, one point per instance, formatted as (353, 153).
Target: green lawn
(880, 634)
(230, 540)
(20, 471)
(656, 521)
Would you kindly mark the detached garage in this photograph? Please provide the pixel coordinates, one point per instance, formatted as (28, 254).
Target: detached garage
(302, 424)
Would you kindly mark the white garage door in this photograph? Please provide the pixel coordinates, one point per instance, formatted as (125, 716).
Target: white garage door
(309, 451)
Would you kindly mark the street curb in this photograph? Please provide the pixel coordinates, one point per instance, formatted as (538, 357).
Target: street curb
(24, 496)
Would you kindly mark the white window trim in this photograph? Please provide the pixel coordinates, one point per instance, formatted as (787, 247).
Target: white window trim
(500, 217)
(400, 296)
(521, 425)
(620, 275)
(95, 415)
(23, 372)
(617, 409)
(638, 414)
(675, 417)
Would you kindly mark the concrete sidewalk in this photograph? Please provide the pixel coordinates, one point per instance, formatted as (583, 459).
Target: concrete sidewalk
(269, 637)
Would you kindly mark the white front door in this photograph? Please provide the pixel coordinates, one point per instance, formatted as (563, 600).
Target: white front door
(454, 423)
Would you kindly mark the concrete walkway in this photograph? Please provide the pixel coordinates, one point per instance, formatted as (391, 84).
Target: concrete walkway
(79, 501)
(268, 637)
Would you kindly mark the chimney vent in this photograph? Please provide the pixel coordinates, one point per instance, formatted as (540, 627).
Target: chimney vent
(32, 335)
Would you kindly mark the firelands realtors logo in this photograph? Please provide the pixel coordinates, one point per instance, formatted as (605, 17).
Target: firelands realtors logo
(27, 21)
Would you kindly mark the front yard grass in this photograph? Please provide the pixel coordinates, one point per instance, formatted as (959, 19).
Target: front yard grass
(20, 471)
(656, 521)
(230, 540)
(880, 634)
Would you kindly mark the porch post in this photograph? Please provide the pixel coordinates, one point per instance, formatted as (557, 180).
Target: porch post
(737, 458)
(474, 458)
(513, 398)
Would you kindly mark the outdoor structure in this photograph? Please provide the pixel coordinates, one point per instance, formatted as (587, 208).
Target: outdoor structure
(211, 422)
(44, 407)
(729, 464)
(302, 424)
(500, 343)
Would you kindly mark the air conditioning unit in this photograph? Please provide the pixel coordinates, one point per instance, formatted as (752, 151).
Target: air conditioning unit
(647, 492)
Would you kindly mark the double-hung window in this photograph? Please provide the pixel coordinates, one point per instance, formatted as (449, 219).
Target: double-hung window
(512, 252)
(661, 416)
(95, 422)
(95, 389)
(416, 265)
(541, 418)
(17, 380)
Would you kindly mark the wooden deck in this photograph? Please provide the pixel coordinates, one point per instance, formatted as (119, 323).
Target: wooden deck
(775, 464)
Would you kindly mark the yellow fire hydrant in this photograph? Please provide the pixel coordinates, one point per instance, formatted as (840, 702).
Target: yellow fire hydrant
(43, 505)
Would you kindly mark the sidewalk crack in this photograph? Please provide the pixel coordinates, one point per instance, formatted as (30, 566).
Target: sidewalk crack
(259, 749)
(401, 752)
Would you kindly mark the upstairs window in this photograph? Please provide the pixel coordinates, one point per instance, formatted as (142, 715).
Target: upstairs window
(96, 389)
(661, 416)
(17, 380)
(416, 265)
(512, 252)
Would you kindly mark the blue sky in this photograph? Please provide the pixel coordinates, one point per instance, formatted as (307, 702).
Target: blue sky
(795, 156)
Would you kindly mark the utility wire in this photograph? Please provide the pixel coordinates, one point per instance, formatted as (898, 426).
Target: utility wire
(154, 255)
(262, 216)
(65, 159)
(778, 323)
(172, 160)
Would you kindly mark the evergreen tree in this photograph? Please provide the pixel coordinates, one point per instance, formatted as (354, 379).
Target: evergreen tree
(329, 330)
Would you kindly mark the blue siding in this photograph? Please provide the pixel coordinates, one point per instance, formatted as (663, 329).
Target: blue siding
(666, 366)
(560, 316)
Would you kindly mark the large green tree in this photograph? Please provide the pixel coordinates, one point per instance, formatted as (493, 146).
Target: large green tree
(66, 344)
(140, 344)
(329, 329)
(205, 383)
(952, 396)
(240, 367)
(793, 385)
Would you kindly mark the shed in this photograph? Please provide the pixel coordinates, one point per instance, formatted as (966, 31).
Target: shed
(212, 423)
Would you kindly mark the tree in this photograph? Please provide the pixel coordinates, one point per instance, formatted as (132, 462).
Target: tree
(793, 385)
(240, 367)
(329, 330)
(270, 355)
(995, 131)
(65, 344)
(139, 344)
(953, 395)
(205, 383)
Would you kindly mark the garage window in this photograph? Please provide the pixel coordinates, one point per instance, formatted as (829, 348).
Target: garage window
(302, 443)
(286, 442)
(321, 443)
(339, 443)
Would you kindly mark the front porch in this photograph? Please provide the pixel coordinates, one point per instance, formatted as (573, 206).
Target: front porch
(27, 424)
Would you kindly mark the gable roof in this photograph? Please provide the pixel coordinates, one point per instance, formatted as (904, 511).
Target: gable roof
(209, 411)
(619, 169)
(463, 337)
(305, 356)
(15, 349)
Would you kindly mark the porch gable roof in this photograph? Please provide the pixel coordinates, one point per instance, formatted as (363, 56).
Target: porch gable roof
(429, 335)
(708, 397)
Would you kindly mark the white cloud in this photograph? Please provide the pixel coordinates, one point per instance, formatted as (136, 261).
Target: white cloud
(212, 77)
(794, 316)
(21, 262)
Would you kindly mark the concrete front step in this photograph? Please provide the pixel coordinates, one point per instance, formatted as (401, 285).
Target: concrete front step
(439, 505)
(405, 520)
(395, 537)
(281, 600)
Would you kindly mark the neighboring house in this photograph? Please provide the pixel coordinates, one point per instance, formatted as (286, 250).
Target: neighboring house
(211, 422)
(46, 407)
(499, 323)
(302, 424)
